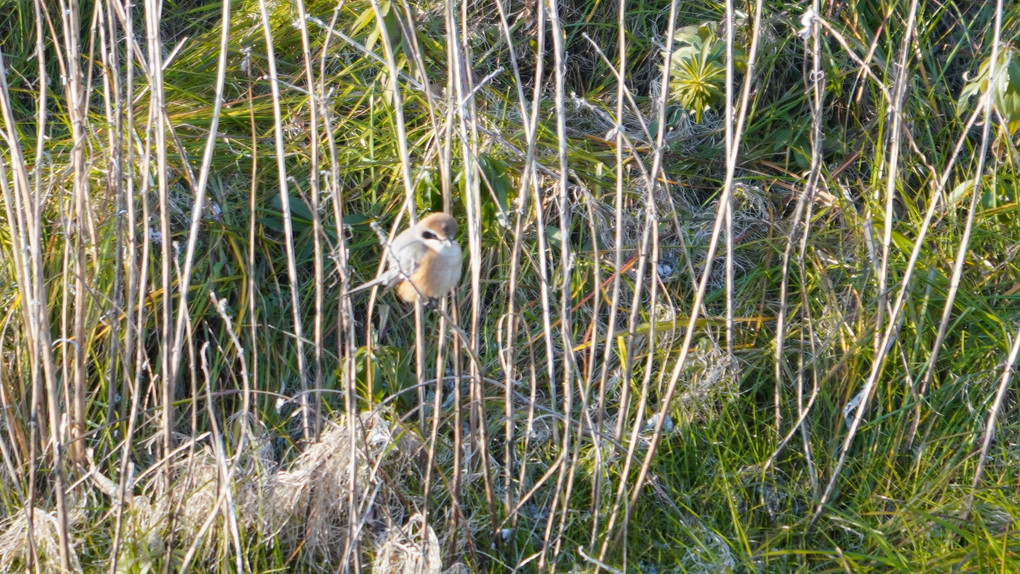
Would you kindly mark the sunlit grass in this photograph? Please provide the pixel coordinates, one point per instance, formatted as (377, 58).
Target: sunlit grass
(525, 424)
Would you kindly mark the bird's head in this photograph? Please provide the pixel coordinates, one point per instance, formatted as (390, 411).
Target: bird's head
(438, 230)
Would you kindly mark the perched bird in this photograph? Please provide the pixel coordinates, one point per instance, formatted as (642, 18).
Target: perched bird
(425, 254)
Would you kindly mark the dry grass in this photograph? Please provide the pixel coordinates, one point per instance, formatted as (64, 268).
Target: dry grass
(782, 342)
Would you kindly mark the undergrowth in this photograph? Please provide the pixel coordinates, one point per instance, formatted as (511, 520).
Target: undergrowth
(777, 343)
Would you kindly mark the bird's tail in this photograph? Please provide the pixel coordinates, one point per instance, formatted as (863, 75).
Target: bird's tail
(382, 281)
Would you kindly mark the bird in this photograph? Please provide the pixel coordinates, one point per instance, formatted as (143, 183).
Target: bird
(423, 259)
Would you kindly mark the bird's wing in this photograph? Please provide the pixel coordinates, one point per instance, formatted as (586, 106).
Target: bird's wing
(403, 257)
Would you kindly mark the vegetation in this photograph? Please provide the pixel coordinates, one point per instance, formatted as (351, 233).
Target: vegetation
(778, 343)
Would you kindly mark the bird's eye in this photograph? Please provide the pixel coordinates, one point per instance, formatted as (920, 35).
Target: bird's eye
(428, 235)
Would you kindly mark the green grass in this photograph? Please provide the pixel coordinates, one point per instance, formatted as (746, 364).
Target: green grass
(589, 396)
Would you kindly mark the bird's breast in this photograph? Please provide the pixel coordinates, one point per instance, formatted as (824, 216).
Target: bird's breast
(437, 273)
(448, 259)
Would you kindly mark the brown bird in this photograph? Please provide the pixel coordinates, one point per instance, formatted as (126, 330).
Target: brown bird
(424, 258)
